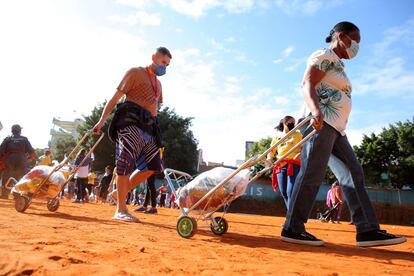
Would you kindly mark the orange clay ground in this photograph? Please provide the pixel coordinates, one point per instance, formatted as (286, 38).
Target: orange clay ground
(82, 240)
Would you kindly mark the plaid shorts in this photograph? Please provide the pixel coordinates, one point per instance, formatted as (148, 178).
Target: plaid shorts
(135, 149)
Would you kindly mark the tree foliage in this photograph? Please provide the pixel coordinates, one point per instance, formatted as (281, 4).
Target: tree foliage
(105, 151)
(179, 142)
(62, 147)
(390, 153)
(256, 149)
(261, 146)
(180, 145)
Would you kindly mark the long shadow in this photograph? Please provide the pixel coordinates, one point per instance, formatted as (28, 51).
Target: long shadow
(278, 226)
(273, 242)
(312, 227)
(72, 217)
(158, 225)
(331, 248)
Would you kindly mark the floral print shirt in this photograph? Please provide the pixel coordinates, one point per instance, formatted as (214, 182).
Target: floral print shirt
(334, 90)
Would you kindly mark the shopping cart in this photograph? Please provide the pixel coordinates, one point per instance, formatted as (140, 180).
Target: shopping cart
(48, 182)
(205, 207)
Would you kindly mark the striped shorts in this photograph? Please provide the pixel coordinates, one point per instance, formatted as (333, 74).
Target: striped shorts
(135, 149)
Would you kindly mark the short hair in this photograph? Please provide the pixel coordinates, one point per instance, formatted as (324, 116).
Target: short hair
(163, 51)
(108, 168)
(343, 26)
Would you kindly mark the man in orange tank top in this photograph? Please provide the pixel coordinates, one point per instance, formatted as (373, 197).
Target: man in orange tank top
(137, 152)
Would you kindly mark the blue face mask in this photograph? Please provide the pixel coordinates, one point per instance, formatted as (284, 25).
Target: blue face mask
(160, 69)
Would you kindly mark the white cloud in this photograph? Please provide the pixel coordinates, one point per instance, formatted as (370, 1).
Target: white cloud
(232, 85)
(390, 79)
(138, 18)
(217, 45)
(286, 52)
(223, 121)
(195, 8)
(280, 100)
(237, 6)
(68, 66)
(295, 64)
(230, 39)
(278, 60)
(387, 73)
(133, 3)
(306, 7)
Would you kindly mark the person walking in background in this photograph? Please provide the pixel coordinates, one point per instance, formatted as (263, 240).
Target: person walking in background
(81, 175)
(135, 128)
(327, 92)
(150, 197)
(334, 201)
(90, 186)
(163, 194)
(284, 173)
(14, 149)
(45, 159)
(104, 184)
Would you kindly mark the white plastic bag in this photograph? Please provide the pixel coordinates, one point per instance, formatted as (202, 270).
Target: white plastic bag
(203, 183)
(30, 182)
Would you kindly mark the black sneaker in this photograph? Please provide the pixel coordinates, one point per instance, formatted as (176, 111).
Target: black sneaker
(141, 209)
(300, 238)
(378, 238)
(151, 210)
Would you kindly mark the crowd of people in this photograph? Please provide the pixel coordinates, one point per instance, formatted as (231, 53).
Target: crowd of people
(327, 93)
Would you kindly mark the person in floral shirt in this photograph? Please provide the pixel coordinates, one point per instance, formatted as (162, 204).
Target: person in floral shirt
(328, 96)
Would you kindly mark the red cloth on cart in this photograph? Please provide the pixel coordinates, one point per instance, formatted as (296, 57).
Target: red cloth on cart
(277, 169)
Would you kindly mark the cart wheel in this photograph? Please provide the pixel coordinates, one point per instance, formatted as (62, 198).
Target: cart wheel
(186, 226)
(21, 203)
(53, 204)
(222, 226)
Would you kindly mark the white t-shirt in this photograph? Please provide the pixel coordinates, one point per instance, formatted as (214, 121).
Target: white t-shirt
(83, 172)
(334, 90)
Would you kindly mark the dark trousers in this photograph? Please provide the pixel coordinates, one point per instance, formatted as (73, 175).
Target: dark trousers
(162, 200)
(328, 146)
(81, 186)
(89, 188)
(15, 168)
(150, 192)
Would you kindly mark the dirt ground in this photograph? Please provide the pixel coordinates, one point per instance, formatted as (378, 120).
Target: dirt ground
(81, 239)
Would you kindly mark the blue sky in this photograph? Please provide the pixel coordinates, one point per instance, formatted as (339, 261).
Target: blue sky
(236, 68)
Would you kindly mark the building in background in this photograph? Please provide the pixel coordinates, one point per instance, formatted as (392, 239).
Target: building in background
(248, 146)
(64, 129)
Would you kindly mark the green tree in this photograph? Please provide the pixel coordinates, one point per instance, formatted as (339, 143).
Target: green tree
(62, 147)
(105, 151)
(180, 145)
(261, 146)
(389, 153)
(257, 149)
(179, 142)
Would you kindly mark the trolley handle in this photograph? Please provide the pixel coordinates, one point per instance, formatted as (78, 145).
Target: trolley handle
(260, 173)
(87, 155)
(75, 149)
(253, 161)
(66, 160)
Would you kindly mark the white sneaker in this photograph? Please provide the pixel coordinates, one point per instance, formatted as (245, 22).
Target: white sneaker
(126, 217)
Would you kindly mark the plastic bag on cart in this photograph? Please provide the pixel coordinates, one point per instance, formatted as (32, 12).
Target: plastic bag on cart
(30, 182)
(199, 186)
